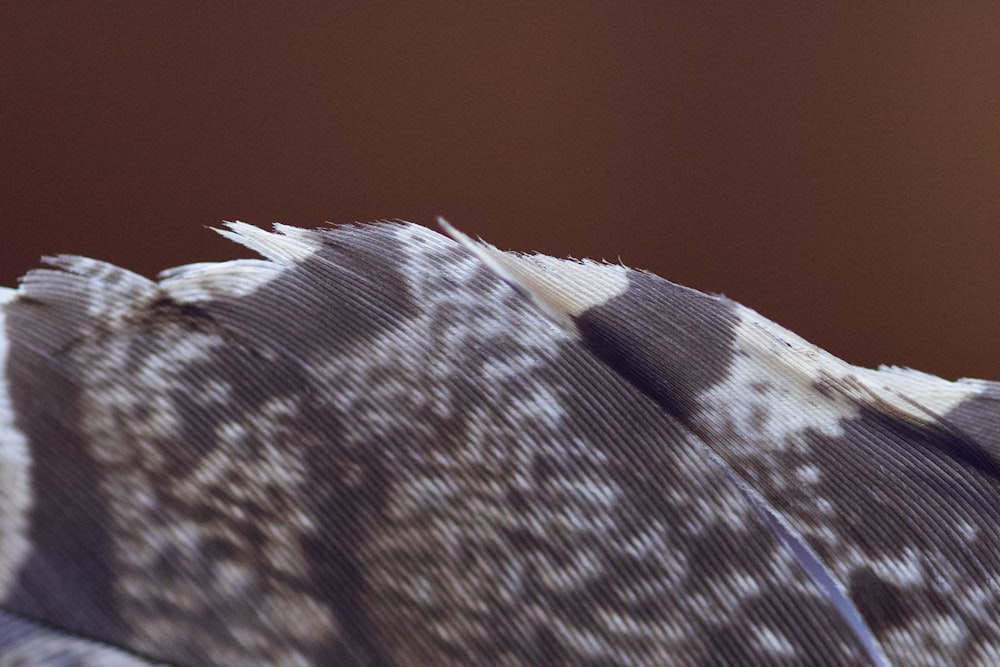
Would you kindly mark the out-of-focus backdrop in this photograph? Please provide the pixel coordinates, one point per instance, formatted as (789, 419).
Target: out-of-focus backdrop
(836, 168)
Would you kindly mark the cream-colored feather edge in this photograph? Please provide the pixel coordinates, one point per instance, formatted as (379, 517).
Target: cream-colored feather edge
(563, 289)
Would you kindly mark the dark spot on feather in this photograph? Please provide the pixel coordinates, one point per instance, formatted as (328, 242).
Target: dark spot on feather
(648, 333)
(517, 501)
(165, 310)
(64, 482)
(544, 469)
(824, 387)
(882, 604)
(546, 649)
(759, 416)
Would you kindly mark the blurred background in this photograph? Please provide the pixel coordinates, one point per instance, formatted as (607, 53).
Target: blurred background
(835, 168)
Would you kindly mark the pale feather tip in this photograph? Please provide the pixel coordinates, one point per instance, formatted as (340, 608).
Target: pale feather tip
(284, 245)
(506, 267)
(561, 289)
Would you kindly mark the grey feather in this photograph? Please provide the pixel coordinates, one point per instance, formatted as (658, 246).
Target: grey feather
(377, 446)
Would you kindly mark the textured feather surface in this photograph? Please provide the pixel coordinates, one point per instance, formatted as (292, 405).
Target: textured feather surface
(368, 449)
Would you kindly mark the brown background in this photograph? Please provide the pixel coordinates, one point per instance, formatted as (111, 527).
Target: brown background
(834, 168)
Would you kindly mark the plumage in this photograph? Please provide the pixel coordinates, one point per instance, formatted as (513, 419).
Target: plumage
(380, 446)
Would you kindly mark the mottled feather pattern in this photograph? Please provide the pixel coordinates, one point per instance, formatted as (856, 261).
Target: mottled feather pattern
(380, 446)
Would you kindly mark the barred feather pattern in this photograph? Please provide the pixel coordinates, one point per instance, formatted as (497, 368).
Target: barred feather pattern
(379, 446)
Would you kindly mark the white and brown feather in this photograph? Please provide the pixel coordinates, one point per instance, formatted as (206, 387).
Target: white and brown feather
(367, 449)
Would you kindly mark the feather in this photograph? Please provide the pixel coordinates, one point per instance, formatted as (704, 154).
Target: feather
(380, 446)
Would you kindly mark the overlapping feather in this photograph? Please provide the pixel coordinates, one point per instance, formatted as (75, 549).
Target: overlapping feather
(368, 449)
